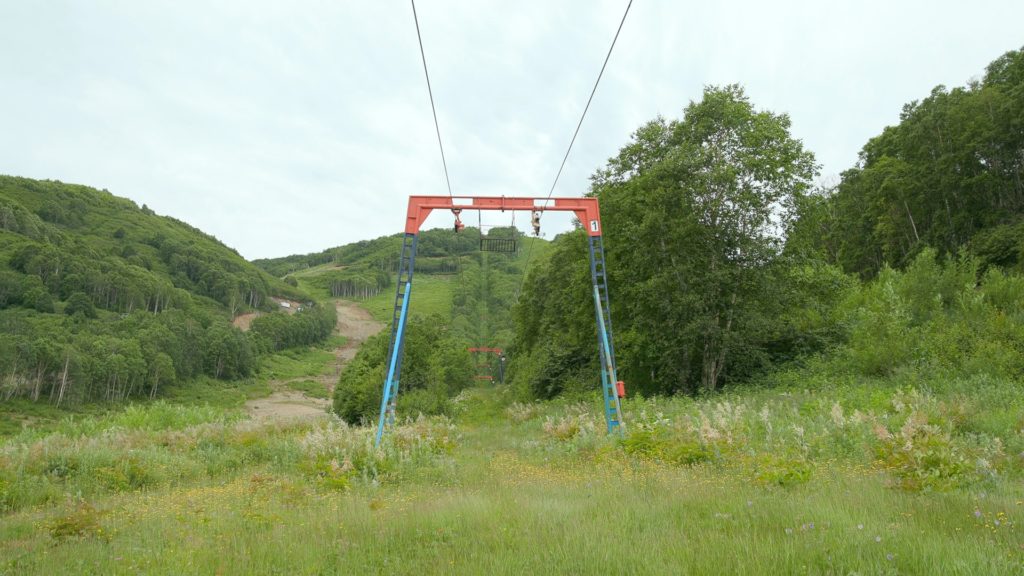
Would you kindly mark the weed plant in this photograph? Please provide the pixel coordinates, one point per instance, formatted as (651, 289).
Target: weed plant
(162, 445)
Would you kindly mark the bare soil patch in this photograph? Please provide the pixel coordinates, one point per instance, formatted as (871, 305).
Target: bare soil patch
(244, 321)
(356, 325)
(287, 405)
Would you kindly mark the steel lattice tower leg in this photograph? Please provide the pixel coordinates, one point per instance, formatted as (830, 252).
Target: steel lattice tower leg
(605, 342)
(403, 289)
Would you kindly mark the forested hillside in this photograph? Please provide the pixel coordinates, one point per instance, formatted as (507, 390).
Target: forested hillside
(949, 176)
(103, 300)
(726, 265)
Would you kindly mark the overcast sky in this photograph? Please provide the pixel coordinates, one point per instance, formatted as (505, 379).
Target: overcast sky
(290, 127)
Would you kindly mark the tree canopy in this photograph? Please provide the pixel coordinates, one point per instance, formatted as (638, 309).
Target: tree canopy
(950, 176)
(693, 213)
(103, 300)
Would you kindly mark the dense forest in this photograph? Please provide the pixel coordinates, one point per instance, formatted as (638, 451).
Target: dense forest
(727, 263)
(949, 176)
(103, 300)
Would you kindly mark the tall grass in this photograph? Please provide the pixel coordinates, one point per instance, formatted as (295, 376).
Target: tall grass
(160, 445)
(915, 439)
(799, 479)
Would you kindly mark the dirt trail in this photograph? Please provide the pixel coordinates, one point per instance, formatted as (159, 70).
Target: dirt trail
(356, 325)
(244, 321)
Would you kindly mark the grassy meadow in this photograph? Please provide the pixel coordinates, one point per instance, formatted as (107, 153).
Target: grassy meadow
(849, 477)
(432, 294)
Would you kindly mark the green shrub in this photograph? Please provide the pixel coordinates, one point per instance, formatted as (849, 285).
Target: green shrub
(6, 495)
(83, 521)
(936, 319)
(430, 401)
(125, 475)
(881, 339)
(656, 444)
(61, 466)
(686, 453)
(783, 471)
(330, 474)
(642, 443)
(922, 456)
(357, 393)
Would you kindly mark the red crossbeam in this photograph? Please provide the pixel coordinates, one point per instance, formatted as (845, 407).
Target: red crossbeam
(491, 350)
(585, 209)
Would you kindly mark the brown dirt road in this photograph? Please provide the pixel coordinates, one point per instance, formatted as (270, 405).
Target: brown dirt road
(356, 325)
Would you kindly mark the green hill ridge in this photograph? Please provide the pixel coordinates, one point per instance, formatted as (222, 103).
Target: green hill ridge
(101, 299)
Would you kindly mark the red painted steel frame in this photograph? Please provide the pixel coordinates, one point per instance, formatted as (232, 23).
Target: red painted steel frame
(492, 350)
(586, 209)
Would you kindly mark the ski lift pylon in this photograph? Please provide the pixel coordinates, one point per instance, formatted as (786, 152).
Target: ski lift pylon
(586, 211)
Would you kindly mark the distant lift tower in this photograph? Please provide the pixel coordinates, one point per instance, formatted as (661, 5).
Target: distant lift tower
(476, 350)
(586, 211)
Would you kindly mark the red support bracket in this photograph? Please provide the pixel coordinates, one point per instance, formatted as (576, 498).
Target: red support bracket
(491, 350)
(585, 209)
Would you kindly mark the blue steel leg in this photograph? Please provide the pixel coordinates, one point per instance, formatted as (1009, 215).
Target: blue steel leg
(391, 384)
(403, 287)
(599, 277)
(612, 407)
(605, 341)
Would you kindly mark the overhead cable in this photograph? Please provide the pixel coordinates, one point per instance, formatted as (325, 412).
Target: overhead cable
(529, 251)
(430, 91)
